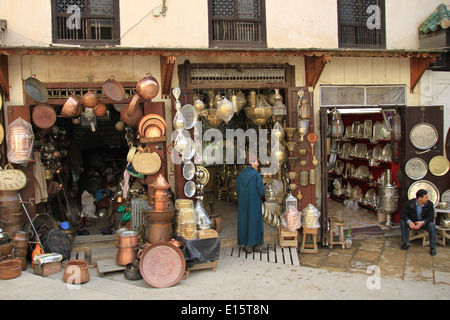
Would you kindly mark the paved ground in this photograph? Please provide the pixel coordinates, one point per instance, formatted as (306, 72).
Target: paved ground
(415, 264)
(330, 274)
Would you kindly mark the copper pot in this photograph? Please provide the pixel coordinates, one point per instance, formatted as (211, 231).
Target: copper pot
(132, 121)
(20, 244)
(113, 89)
(133, 105)
(76, 272)
(158, 231)
(100, 110)
(90, 99)
(127, 247)
(10, 269)
(44, 116)
(71, 108)
(148, 87)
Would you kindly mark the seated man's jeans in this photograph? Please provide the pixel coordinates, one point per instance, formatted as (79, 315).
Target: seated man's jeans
(430, 227)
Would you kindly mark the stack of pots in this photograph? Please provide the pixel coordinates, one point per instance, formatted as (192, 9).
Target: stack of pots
(20, 245)
(127, 244)
(159, 219)
(10, 212)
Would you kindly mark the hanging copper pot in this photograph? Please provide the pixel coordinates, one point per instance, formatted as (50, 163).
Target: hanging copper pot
(71, 108)
(100, 110)
(44, 116)
(133, 105)
(113, 89)
(148, 87)
(91, 99)
(132, 120)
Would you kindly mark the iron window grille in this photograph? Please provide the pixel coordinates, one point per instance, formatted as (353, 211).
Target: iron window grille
(237, 23)
(354, 19)
(85, 22)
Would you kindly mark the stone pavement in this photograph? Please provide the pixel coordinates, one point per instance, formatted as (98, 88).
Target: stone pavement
(415, 264)
(329, 275)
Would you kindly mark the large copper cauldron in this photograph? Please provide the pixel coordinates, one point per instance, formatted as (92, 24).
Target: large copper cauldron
(159, 226)
(127, 247)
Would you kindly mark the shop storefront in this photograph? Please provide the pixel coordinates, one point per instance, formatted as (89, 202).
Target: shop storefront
(113, 157)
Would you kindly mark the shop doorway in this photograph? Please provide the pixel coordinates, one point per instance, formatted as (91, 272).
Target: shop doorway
(374, 147)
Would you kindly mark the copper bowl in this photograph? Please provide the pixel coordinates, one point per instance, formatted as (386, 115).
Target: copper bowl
(76, 272)
(10, 269)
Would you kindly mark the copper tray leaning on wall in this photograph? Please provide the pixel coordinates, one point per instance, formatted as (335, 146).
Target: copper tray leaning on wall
(162, 265)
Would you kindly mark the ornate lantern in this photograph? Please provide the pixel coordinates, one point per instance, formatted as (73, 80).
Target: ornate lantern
(337, 125)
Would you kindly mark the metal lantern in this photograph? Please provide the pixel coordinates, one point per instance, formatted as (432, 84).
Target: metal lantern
(304, 109)
(337, 125)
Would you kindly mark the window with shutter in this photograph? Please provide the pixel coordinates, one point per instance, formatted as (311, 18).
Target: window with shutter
(85, 21)
(237, 23)
(362, 24)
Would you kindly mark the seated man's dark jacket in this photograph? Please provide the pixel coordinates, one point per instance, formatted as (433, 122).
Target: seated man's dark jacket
(409, 212)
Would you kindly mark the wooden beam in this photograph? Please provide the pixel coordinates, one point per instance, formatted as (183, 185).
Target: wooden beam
(418, 67)
(167, 65)
(314, 66)
(4, 76)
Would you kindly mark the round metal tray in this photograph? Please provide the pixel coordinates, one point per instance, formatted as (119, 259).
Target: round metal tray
(416, 168)
(423, 136)
(439, 165)
(162, 265)
(433, 191)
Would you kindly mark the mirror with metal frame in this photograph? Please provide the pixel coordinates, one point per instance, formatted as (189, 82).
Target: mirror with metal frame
(189, 170)
(189, 189)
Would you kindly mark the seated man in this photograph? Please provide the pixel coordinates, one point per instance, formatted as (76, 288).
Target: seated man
(417, 214)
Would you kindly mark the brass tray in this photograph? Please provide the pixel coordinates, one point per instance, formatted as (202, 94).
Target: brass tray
(423, 136)
(439, 165)
(433, 191)
(416, 168)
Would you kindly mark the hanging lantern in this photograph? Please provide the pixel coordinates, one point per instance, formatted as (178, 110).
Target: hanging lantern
(179, 122)
(303, 128)
(337, 125)
(279, 109)
(225, 109)
(304, 109)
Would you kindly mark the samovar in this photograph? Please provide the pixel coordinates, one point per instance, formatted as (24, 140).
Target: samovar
(388, 198)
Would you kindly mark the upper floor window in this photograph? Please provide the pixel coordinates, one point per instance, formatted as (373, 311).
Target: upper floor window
(237, 23)
(89, 22)
(362, 24)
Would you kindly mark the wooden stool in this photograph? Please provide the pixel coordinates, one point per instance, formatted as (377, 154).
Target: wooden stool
(288, 238)
(442, 234)
(336, 222)
(309, 248)
(419, 234)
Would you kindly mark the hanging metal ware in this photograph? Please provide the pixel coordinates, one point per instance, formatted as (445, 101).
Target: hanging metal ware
(148, 87)
(72, 107)
(44, 116)
(113, 89)
(35, 89)
(304, 178)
